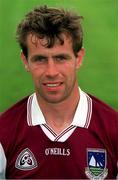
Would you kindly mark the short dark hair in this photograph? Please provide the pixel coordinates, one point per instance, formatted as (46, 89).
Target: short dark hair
(50, 23)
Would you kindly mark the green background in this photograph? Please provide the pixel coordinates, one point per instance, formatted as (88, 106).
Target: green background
(99, 73)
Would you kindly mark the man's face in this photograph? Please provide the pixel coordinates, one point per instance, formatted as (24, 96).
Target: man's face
(53, 69)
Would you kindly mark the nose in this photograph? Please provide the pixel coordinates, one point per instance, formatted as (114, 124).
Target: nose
(51, 70)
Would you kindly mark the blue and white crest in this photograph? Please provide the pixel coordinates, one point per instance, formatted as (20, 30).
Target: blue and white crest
(96, 164)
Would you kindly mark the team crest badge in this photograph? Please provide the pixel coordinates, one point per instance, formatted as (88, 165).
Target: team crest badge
(96, 164)
(26, 160)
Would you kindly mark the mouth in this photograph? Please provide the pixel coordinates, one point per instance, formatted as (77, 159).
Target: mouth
(53, 86)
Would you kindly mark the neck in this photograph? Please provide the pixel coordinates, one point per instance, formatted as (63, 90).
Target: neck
(60, 115)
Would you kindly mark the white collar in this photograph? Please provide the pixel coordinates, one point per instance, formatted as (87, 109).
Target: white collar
(81, 118)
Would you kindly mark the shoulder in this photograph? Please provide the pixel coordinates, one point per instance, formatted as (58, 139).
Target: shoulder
(101, 107)
(104, 118)
(12, 122)
(104, 124)
(13, 110)
(11, 117)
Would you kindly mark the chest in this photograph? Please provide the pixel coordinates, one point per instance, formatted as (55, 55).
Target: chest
(82, 155)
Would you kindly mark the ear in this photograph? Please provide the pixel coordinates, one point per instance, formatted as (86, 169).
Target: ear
(25, 61)
(80, 57)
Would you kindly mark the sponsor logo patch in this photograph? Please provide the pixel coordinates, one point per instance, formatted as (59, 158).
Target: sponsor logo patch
(26, 160)
(96, 164)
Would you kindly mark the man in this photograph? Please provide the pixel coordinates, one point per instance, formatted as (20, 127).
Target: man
(59, 132)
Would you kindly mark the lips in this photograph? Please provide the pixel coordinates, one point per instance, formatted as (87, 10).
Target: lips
(52, 85)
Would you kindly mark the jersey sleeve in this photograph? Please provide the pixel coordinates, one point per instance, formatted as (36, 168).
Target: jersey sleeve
(2, 162)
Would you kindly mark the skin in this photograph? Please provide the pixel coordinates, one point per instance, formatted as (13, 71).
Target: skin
(53, 72)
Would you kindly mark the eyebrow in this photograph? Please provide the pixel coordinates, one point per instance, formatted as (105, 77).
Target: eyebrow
(67, 56)
(40, 56)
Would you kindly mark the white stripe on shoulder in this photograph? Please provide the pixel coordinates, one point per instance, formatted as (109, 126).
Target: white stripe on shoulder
(2, 162)
(89, 113)
(29, 116)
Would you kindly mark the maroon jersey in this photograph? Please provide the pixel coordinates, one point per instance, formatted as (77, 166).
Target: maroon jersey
(88, 148)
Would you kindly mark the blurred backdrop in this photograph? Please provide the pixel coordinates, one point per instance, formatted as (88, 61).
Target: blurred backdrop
(99, 73)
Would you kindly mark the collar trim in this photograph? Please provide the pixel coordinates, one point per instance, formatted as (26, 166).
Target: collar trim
(89, 112)
(82, 116)
(29, 105)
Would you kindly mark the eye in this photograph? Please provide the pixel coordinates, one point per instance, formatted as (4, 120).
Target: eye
(60, 58)
(39, 59)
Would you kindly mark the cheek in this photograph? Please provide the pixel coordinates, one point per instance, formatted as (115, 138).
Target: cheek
(70, 74)
(70, 69)
(36, 70)
(36, 74)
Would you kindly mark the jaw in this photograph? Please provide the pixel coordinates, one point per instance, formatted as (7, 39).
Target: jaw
(57, 93)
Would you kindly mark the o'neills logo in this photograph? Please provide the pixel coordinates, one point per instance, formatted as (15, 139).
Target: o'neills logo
(57, 151)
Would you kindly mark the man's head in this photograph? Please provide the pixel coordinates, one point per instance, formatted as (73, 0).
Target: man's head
(50, 23)
(51, 42)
